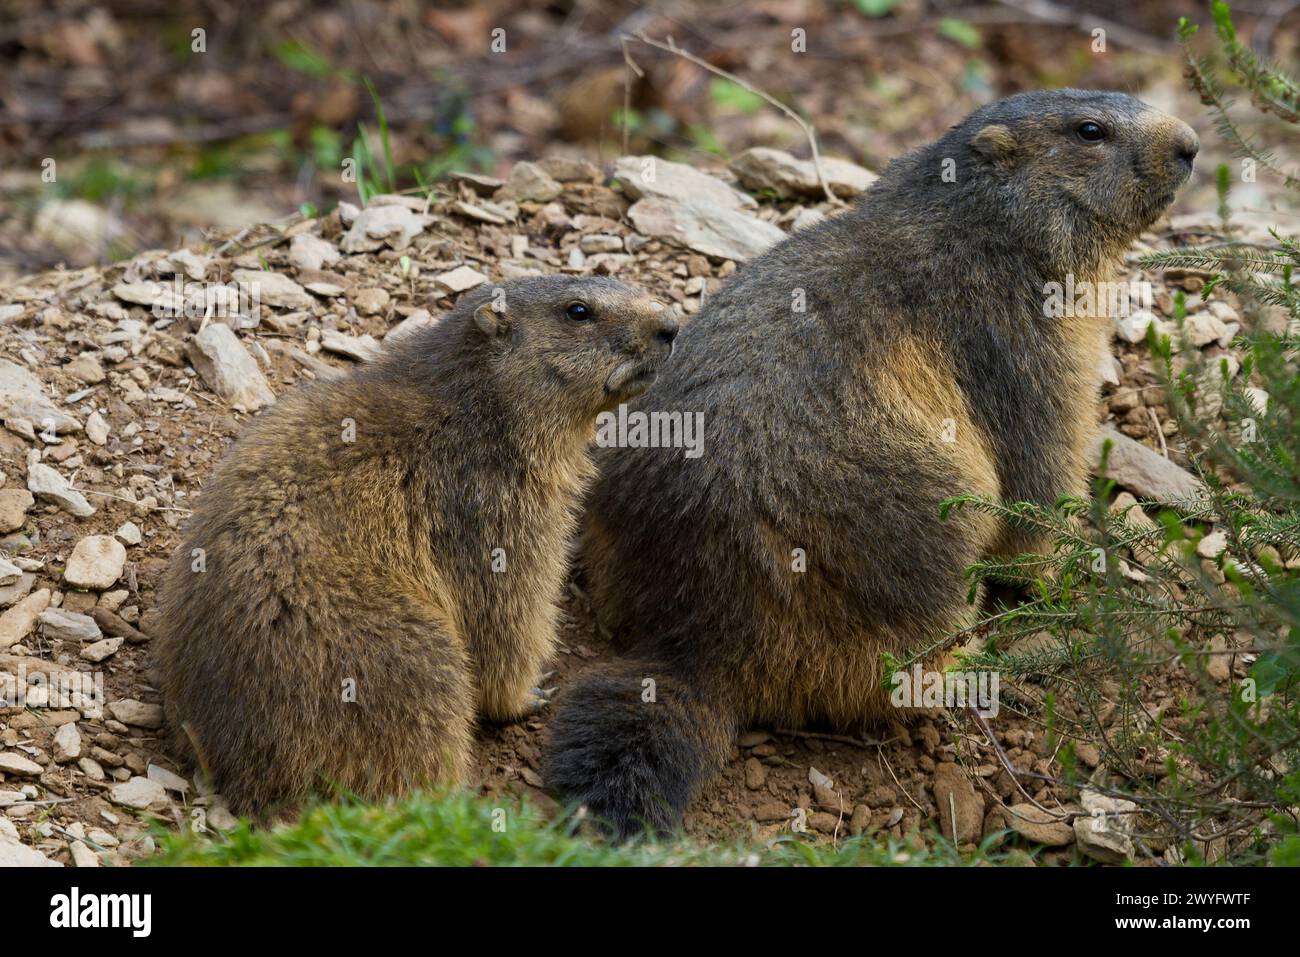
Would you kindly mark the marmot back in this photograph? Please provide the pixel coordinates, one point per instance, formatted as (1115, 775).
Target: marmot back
(849, 380)
(377, 559)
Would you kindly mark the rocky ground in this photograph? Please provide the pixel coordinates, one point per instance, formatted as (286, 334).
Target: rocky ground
(117, 397)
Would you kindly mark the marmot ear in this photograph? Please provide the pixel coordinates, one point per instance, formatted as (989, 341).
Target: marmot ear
(493, 324)
(995, 143)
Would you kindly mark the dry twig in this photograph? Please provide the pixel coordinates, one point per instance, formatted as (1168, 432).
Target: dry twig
(668, 46)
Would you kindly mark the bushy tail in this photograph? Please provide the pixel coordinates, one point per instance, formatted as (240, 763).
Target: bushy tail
(632, 742)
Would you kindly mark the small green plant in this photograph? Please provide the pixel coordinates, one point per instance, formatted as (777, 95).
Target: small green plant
(297, 55)
(961, 32)
(100, 179)
(326, 147)
(875, 8)
(376, 171)
(460, 830)
(733, 97)
(1272, 91)
(705, 139)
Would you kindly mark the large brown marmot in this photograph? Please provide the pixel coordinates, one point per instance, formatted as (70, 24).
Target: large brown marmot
(849, 380)
(379, 556)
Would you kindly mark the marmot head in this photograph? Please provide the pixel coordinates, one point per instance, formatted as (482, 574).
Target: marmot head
(580, 345)
(1080, 171)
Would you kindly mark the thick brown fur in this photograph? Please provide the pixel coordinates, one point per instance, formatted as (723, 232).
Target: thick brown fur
(923, 366)
(350, 541)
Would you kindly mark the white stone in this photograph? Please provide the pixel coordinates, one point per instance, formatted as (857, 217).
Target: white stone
(601, 243)
(528, 182)
(361, 348)
(219, 817)
(1145, 472)
(17, 591)
(96, 562)
(15, 378)
(62, 625)
(82, 856)
(49, 485)
(97, 428)
(101, 650)
(67, 743)
(807, 217)
(36, 408)
(130, 711)
(705, 227)
(168, 779)
(818, 779)
(228, 369)
(101, 837)
(23, 397)
(763, 168)
(13, 763)
(1225, 312)
(1109, 369)
(460, 279)
(13, 853)
(377, 226)
(1257, 397)
(139, 793)
(1212, 544)
(649, 177)
(497, 215)
(415, 204)
(16, 623)
(129, 534)
(147, 293)
(420, 319)
(273, 288)
(193, 265)
(371, 300)
(1103, 833)
(311, 252)
(1132, 326)
(14, 503)
(1203, 328)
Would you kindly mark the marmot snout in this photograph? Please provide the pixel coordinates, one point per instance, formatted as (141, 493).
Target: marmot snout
(377, 559)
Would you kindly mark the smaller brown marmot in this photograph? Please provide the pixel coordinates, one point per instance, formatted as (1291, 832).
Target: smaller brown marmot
(378, 557)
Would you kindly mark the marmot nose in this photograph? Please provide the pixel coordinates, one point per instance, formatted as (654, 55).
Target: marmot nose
(666, 332)
(1186, 147)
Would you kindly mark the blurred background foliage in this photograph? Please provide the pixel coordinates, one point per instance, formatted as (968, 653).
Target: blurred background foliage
(165, 117)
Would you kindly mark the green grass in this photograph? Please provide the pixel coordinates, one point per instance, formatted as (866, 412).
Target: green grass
(733, 97)
(458, 830)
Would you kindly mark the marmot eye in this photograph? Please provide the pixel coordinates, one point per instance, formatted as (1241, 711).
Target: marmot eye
(578, 312)
(1090, 132)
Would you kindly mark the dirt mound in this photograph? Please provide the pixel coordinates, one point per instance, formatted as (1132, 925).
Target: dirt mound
(121, 387)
